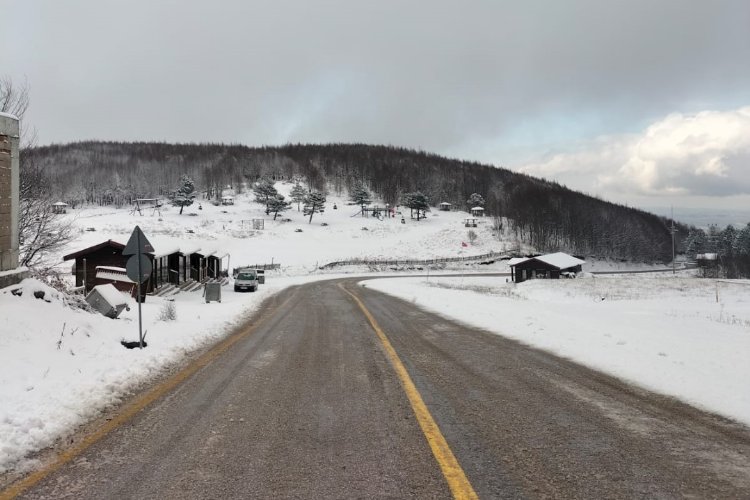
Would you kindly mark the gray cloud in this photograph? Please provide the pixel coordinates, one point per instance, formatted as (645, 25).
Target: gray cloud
(486, 80)
(701, 155)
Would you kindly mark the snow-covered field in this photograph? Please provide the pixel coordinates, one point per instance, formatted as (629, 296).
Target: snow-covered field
(60, 366)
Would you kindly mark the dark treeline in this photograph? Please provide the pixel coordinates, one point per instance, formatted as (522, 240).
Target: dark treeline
(728, 249)
(542, 213)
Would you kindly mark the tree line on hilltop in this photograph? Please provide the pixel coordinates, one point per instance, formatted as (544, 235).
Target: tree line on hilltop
(544, 214)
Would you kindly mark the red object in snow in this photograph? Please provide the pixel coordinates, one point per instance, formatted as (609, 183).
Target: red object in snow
(463, 244)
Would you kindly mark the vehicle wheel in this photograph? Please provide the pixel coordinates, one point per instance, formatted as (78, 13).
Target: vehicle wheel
(236, 289)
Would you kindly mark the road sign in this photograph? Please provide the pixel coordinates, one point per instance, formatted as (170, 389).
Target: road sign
(138, 273)
(138, 268)
(138, 243)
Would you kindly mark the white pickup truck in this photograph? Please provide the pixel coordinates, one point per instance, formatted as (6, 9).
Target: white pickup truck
(247, 279)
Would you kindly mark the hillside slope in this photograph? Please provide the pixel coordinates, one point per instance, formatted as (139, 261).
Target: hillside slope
(544, 214)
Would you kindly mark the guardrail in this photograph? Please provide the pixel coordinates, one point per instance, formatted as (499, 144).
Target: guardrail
(410, 262)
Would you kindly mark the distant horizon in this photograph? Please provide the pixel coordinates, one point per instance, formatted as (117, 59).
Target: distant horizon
(702, 217)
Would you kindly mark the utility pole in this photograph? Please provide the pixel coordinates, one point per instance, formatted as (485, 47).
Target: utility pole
(672, 231)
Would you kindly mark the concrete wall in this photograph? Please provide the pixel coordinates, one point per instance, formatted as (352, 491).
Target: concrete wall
(9, 192)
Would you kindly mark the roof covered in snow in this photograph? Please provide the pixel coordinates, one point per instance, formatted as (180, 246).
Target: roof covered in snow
(706, 256)
(559, 260)
(517, 260)
(112, 295)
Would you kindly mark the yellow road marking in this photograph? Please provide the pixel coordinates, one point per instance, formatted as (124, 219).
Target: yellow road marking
(457, 481)
(127, 413)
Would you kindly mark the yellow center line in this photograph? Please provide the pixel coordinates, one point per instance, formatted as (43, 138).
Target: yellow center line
(129, 412)
(457, 481)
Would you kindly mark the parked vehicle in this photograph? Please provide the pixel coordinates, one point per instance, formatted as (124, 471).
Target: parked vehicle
(261, 275)
(247, 279)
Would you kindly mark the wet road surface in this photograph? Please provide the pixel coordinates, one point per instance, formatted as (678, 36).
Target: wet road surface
(306, 404)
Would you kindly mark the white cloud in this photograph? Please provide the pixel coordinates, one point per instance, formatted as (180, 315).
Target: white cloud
(703, 154)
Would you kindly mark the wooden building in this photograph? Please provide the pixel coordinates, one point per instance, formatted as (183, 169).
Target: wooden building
(170, 264)
(107, 253)
(445, 206)
(550, 266)
(477, 212)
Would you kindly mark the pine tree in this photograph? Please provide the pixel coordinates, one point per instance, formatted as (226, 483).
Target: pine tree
(726, 241)
(416, 201)
(359, 195)
(314, 202)
(742, 242)
(695, 242)
(264, 191)
(184, 195)
(297, 194)
(278, 204)
(475, 200)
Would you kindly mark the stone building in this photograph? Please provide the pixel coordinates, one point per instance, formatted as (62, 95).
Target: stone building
(9, 201)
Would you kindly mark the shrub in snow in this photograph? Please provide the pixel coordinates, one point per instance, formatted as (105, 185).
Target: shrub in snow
(168, 311)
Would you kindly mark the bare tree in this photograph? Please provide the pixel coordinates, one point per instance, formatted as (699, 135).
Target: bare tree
(14, 99)
(41, 231)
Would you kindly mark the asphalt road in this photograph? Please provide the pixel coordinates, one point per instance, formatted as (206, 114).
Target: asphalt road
(306, 404)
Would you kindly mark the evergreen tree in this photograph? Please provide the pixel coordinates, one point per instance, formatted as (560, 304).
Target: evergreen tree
(315, 201)
(359, 195)
(726, 241)
(695, 242)
(742, 242)
(278, 204)
(297, 194)
(265, 191)
(416, 201)
(184, 195)
(475, 200)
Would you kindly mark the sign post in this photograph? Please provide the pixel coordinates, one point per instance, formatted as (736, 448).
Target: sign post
(138, 268)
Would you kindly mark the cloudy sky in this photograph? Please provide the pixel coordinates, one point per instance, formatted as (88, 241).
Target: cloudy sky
(645, 102)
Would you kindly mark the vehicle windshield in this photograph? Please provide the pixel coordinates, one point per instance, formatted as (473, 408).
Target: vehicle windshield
(246, 276)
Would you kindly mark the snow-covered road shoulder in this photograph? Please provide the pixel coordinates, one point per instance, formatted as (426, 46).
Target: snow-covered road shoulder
(669, 335)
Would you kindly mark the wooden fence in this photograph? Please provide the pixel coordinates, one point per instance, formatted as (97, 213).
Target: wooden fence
(412, 262)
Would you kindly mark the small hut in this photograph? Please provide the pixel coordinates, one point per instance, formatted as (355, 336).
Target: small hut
(445, 207)
(59, 208)
(550, 266)
(227, 200)
(708, 263)
(477, 212)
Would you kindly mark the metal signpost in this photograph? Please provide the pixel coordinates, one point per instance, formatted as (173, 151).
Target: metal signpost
(138, 268)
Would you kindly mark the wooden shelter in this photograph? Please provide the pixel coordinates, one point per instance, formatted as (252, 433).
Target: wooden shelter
(445, 206)
(107, 253)
(477, 211)
(166, 261)
(470, 222)
(60, 207)
(550, 266)
(227, 200)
